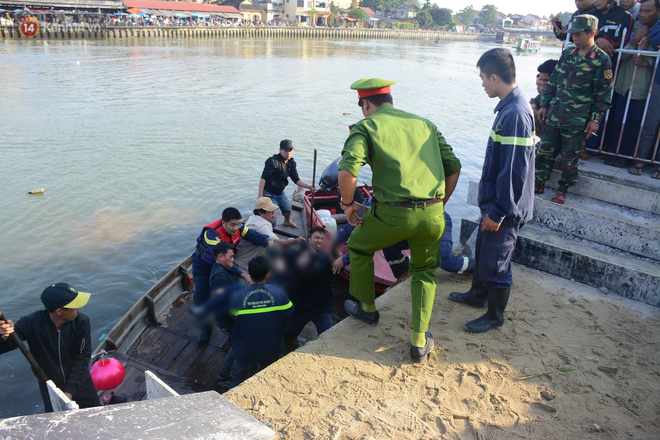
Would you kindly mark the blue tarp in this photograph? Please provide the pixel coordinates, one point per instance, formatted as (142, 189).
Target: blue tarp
(181, 15)
(199, 15)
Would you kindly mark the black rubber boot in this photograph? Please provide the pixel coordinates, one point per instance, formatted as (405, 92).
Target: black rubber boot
(494, 317)
(354, 308)
(420, 354)
(477, 296)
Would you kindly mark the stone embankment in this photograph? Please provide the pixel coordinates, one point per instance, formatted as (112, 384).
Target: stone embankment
(109, 32)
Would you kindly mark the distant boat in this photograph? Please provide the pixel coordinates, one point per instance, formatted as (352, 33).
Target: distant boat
(528, 45)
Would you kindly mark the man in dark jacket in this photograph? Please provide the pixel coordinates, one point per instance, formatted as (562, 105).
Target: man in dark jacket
(60, 340)
(506, 191)
(312, 297)
(275, 177)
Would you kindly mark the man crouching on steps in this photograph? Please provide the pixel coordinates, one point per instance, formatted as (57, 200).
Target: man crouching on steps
(506, 191)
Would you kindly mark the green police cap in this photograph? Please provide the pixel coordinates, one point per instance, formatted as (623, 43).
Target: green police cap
(584, 22)
(371, 86)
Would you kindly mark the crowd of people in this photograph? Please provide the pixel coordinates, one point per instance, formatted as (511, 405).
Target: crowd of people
(632, 125)
(141, 19)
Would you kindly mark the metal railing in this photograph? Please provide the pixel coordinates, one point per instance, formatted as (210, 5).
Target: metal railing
(616, 153)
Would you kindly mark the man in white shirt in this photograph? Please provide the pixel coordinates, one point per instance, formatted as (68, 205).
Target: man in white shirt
(262, 221)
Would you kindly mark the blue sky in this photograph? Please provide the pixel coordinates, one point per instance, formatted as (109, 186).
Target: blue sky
(538, 7)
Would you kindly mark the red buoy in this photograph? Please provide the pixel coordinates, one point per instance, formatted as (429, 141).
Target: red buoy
(107, 373)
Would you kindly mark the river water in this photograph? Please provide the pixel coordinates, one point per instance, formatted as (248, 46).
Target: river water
(139, 143)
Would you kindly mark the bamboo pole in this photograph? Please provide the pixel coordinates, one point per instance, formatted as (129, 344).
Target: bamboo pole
(311, 211)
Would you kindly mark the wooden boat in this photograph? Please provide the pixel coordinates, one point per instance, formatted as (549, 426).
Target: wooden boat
(330, 201)
(528, 45)
(157, 334)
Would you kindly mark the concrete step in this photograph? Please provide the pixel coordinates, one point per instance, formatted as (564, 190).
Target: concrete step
(584, 261)
(620, 227)
(642, 196)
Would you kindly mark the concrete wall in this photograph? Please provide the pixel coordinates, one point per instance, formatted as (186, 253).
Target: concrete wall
(11, 32)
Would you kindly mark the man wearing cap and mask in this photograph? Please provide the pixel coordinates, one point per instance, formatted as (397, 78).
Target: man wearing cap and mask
(59, 338)
(275, 178)
(414, 173)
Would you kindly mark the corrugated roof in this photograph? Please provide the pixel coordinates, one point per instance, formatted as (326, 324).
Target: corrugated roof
(178, 6)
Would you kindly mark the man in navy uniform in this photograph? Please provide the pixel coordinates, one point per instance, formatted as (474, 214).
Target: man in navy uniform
(506, 191)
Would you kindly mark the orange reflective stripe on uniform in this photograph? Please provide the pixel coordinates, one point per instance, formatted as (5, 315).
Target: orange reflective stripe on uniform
(210, 242)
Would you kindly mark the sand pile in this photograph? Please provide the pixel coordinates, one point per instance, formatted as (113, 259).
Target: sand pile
(357, 381)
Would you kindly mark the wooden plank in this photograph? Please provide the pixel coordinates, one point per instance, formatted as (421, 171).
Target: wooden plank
(133, 385)
(199, 367)
(146, 341)
(156, 388)
(175, 350)
(58, 399)
(179, 383)
(185, 359)
(159, 349)
(208, 376)
(297, 218)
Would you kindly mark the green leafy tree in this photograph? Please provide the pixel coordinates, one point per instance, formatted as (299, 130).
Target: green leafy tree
(427, 5)
(467, 15)
(381, 5)
(334, 14)
(312, 14)
(441, 16)
(423, 18)
(358, 14)
(489, 16)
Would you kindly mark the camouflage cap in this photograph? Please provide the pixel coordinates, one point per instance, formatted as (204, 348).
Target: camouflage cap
(581, 23)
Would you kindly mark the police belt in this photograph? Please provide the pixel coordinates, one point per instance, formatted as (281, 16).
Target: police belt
(416, 203)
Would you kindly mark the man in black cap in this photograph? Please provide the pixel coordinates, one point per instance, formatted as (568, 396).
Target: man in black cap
(275, 178)
(60, 340)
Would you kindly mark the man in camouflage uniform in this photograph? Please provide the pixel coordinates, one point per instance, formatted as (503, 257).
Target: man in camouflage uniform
(573, 103)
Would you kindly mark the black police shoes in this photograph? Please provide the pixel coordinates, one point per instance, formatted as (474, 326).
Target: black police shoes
(354, 309)
(420, 354)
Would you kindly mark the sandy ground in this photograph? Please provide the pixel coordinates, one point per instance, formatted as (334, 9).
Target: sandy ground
(357, 381)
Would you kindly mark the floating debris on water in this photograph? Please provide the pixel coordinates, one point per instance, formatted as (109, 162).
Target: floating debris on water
(347, 113)
(36, 191)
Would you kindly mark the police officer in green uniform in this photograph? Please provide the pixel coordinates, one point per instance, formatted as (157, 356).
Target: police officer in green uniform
(414, 174)
(573, 104)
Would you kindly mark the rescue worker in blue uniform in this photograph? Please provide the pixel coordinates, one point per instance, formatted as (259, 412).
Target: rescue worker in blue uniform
(506, 191)
(261, 312)
(228, 229)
